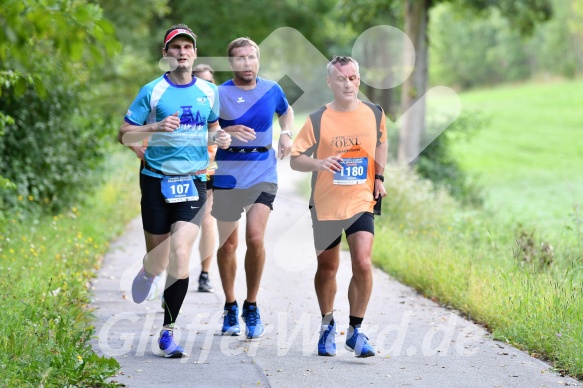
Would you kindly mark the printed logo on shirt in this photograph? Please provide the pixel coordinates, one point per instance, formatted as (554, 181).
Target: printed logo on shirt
(201, 100)
(129, 113)
(240, 99)
(190, 122)
(344, 141)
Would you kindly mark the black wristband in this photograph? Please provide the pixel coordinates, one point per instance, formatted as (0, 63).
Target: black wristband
(379, 176)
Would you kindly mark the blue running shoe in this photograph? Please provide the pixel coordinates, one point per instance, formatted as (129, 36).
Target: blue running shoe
(168, 346)
(141, 286)
(231, 321)
(327, 341)
(358, 343)
(254, 327)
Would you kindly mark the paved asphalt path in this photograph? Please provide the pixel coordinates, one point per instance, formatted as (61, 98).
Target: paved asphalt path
(418, 343)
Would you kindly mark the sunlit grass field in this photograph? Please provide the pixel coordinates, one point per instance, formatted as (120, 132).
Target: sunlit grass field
(514, 265)
(530, 155)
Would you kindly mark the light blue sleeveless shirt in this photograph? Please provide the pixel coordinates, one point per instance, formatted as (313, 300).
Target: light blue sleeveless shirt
(184, 151)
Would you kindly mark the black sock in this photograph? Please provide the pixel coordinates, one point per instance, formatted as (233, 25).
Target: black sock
(228, 305)
(204, 274)
(247, 304)
(355, 322)
(173, 297)
(328, 319)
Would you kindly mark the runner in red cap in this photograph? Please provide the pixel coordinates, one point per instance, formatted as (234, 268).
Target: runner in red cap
(178, 113)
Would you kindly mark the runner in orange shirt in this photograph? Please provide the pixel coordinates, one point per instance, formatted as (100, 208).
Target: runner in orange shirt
(348, 140)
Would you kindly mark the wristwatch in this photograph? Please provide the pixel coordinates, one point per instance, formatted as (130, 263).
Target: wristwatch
(289, 133)
(379, 176)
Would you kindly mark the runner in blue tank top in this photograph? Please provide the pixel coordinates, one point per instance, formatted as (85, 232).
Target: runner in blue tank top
(246, 178)
(176, 112)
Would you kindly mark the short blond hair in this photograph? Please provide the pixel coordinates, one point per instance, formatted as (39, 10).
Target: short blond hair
(241, 42)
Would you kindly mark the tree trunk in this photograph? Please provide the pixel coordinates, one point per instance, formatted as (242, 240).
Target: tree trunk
(371, 93)
(386, 102)
(413, 120)
(384, 59)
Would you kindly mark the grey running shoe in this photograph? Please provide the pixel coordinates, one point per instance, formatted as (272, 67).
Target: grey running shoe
(204, 283)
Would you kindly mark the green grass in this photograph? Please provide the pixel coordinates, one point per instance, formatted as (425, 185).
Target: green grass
(490, 262)
(47, 266)
(530, 155)
(469, 261)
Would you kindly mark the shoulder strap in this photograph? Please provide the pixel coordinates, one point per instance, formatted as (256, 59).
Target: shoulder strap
(315, 118)
(378, 113)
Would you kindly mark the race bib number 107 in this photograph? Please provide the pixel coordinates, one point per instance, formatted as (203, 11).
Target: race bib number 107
(353, 172)
(179, 189)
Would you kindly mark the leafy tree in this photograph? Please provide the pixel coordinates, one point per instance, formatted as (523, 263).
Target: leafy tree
(361, 16)
(137, 63)
(468, 50)
(557, 45)
(49, 134)
(523, 15)
(225, 21)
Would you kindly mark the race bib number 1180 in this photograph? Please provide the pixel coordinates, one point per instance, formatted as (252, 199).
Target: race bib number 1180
(353, 172)
(179, 189)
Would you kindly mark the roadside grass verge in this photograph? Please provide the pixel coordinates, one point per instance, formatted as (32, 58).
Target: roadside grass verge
(529, 155)
(469, 261)
(47, 265)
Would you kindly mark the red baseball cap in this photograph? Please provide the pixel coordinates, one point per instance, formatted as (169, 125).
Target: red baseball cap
(178, 32)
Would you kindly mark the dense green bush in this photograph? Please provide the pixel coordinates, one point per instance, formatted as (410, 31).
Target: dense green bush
(469, 50)
(438, 164)
(52, 147)
(556, 45)
(51, 133)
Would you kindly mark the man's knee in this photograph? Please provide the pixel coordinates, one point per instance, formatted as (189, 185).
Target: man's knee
(178, 268)
(327, 269)
(362, 266)
(228, 247)
(254, 241)
(326, 272)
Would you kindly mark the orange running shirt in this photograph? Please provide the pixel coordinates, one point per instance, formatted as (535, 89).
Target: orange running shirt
(353, 137)
(210, 170)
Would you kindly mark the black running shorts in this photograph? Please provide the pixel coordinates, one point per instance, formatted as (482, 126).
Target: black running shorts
(158, 215)
(327, 234)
